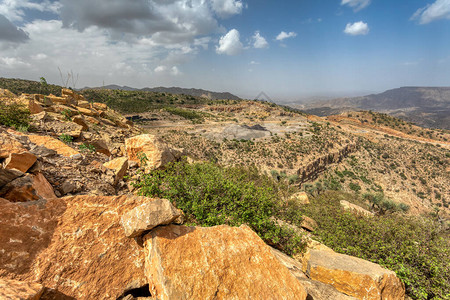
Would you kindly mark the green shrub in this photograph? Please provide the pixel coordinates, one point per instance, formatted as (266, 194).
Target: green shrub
(15, 115)
(65, 138)
(194, 116)
(415, 248)
(212, 195)
(87, 148)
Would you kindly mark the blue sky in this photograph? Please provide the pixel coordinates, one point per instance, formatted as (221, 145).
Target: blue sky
(290, 49)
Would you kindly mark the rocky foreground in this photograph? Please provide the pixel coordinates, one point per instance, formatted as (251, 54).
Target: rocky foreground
(71, 227)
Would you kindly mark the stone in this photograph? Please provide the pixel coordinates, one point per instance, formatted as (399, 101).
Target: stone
(6, 176)
(107, 122)
(68, 187)
(14, 289)
(9, 144)
(28, 188)
(147, 216)
(353, 276)
(59, 100)
(42, 151)
(355, 209)
(7, 94)
(101, 147)
(218, 262)
(53, 144)
(66, 110)
(80, 121)
(73, 245)
(308, 223)
(294, 266)
(20, 161)
(87, 111)
(300, 198)
(100, 106)
(67, 93)
(34, 107)
(84, 104)
(119, 166)
(149, 151)
(41, 117)
(92, 120)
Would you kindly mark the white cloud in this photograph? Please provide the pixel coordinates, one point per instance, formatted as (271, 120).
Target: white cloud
(254, 62)
(227, 8)
(357, 5)
(440, 9)
(357, 28)
(230, 43)
(259, 41)
(283, 35)
(14, 10)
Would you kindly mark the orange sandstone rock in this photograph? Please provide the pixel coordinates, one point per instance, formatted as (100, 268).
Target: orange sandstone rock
(215, 263)
(53, 144)
(20, 161)
(14, 289)
(119, 166)
(353, 276)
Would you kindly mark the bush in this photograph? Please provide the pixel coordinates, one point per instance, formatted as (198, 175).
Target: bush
(414, 248)
(65, 138)
(15, 115)
(212, 195)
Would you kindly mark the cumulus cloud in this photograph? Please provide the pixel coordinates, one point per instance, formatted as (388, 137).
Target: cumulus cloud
(165, 22)
(10, 33)
(230, 43)
(357, 5)
(283, 35)
(227, 8)
(259, 41)
(440, 9)
(357, 28)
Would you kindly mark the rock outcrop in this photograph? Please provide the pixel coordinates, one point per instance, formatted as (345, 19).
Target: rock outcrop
(312, 169)
(14, 289)
(74, 245)
(220, 262)
(353, 276)
(356, 209)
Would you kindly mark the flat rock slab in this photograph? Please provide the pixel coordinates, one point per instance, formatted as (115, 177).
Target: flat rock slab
(14, 289)
(353, 276)
(74, 245)
(53, 144)
(20, 161)
(218, 262)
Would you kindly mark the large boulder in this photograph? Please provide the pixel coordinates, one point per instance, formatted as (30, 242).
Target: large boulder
(215, 263)
(14, 289)
(353, 276)
(149, 151)
(356, 209)
(147, 216)
(74, 245)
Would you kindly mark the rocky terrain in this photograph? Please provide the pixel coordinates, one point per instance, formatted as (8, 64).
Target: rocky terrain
(426, 106)
(73, 225)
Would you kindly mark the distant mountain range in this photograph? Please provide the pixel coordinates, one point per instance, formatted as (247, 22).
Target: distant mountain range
(425, 106)
(174, 90)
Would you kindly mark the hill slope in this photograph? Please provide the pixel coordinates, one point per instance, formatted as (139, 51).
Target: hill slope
(173, 90)
(426, 106)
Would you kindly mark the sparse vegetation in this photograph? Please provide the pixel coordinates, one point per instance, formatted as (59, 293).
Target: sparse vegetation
(213, 195)
(15, 115)
(414, 247)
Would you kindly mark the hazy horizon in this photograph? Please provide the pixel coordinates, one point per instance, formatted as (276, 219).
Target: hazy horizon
(291, 50)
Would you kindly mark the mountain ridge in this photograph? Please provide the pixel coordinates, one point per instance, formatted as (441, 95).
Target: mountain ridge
(173, 90)
(426, 106)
